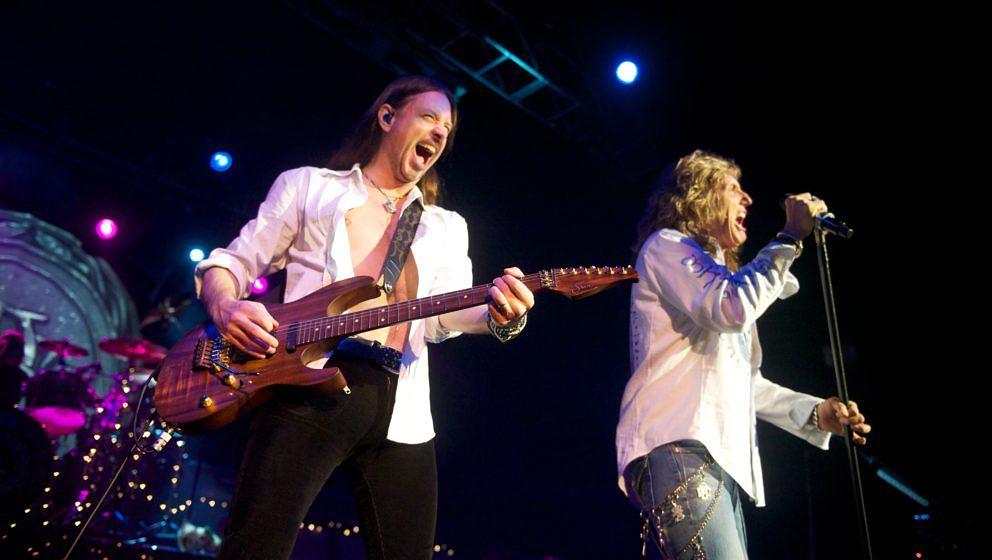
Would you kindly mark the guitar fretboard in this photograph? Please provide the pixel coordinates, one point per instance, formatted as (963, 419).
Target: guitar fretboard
(349, 324)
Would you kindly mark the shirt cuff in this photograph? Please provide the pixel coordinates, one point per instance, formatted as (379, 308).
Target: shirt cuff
(435, 331)
(225, 261)
(801, 414)
(781, 256)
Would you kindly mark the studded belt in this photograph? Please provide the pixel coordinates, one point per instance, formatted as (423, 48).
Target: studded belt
(370, 351)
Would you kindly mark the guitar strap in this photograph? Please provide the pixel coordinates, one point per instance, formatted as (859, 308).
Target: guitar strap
(399, 247)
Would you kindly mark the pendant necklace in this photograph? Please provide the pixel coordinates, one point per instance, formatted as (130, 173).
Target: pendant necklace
(390, 204)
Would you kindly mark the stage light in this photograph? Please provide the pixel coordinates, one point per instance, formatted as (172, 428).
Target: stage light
(627, 72)
(106, 228)
(221, 161)
(259, 286)
(196, 255)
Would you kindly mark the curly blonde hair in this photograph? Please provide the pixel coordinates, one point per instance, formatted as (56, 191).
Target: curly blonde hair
(686, 199)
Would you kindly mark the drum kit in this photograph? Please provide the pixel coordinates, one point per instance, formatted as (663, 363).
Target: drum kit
(63, 400)
(61, 408)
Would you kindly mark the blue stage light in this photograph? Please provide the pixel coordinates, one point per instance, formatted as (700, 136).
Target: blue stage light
(196, 255)
(627, 72)
(221, 161)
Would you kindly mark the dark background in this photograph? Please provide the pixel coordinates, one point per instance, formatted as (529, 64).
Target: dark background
(115, 110)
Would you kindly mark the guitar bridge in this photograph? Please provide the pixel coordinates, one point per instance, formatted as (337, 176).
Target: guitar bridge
(212, 352)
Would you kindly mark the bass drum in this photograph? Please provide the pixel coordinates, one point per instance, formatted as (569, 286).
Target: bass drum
(25, 462)
(58, 400)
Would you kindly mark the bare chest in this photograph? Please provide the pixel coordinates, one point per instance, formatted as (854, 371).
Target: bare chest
(370, 229)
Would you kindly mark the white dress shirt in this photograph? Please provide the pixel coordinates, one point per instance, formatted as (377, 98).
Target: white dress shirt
(300, 227)
(695, 357)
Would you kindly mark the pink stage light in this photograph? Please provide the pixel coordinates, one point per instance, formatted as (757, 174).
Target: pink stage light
(106, 228)
(259, 286)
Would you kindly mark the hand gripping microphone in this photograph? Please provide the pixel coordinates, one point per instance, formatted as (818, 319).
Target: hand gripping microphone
(828, 222)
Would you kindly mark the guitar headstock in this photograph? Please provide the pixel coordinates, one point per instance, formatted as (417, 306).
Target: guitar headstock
(577, 283)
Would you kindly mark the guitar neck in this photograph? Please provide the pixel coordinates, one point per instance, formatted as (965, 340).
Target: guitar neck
(350, 324)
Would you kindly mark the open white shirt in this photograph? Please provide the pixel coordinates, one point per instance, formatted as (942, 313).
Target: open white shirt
(695, 357)
(300, 227)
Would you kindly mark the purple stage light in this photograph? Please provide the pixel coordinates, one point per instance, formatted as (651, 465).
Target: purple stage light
(106, 228)
(259, 286)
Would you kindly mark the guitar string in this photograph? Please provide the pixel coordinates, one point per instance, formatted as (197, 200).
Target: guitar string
(317, 323)
(362, 315)
(357, 316)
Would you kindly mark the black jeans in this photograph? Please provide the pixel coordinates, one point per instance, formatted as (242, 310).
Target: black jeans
(296, 443)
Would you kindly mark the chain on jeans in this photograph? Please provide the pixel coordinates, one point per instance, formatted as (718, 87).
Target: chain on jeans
(675, 514)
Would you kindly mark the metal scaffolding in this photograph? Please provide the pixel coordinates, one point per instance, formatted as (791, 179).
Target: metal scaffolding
(465, 43)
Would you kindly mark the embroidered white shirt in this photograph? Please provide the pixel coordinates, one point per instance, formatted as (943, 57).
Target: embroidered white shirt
(300, 227)
(696, 359)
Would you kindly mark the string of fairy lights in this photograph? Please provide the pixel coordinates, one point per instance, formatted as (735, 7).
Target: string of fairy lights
(148, 494)
(140, 495)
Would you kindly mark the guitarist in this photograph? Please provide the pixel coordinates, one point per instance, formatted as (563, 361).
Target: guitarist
(324, 225)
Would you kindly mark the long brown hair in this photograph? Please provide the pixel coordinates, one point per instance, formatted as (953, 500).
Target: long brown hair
(364, 141)
(685, 199)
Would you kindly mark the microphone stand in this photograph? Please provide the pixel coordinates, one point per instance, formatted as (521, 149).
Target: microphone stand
(820, 234)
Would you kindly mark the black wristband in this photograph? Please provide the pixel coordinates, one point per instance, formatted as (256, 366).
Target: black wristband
(509, 331)
(786, 239)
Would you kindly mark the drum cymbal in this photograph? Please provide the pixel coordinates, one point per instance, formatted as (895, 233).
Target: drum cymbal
(133, 349)
(63, 348)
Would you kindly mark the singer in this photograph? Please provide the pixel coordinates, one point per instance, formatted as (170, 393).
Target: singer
(686, 444)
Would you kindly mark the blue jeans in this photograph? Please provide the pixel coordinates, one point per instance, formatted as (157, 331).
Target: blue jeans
(690, 507)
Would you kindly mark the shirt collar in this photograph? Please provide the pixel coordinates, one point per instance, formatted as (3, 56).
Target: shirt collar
(720, 257)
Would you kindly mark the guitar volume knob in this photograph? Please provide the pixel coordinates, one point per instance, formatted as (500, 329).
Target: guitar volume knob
(232, 381)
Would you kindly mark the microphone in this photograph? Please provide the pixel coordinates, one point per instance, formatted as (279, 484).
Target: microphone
(828, 222)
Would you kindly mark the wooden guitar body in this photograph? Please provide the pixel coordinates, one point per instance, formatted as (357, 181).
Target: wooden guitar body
(196, 397)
